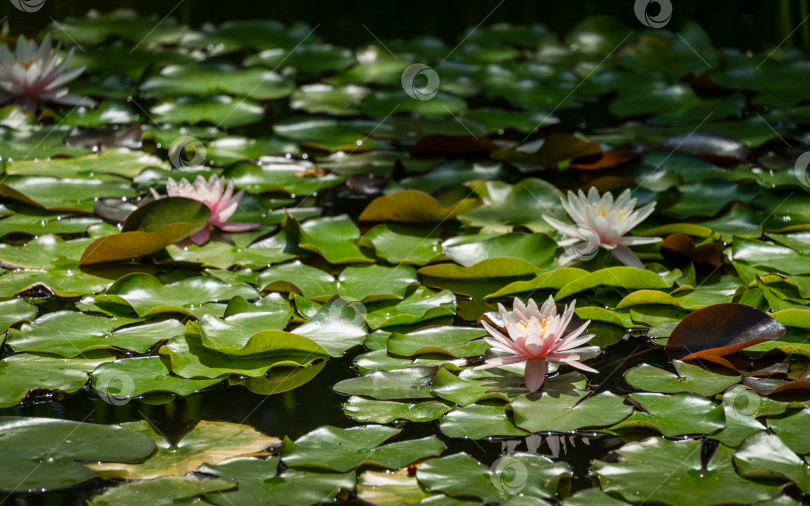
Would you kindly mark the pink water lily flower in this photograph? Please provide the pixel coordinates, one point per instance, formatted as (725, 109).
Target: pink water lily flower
(601, 221)
(538, 336)
(214, 194)
(37, 73)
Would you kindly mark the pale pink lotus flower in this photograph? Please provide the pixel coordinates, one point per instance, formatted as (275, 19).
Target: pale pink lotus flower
(37, 73)
(537, 336)
(214, 194)
(599, 221)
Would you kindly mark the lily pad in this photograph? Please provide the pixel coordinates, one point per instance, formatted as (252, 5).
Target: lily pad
(33, 462)
(345, 449)
(671, 472)
(208, 442)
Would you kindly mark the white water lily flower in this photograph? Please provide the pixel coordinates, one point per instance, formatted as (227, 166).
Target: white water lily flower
(37, 73)
(599, 221)
(537, 336)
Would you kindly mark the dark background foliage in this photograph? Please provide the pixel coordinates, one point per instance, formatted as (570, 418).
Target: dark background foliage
(746, 24)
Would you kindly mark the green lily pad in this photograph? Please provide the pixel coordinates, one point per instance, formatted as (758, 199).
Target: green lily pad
(299, 278)
(336, 327)
(388, 489)
(623, 278)
(45, 225)
(208, 442)
(33, 462)
(506, 206)
(422, 304)
(689, 378)
(453, 341)
(234, 148)
(764, 455)
(148, 229)
(459, 475)
(258, 483)
(478, 421)
(124, 379)
(118, 161)
(14, 311)
(281, 175)
(331, 134)
(371, 410)
(183, 488)
(414, 206)
(671, 472)
(24, 372)
(410, 383)
(71, 333)
(565, 412)
(221, 110)
(213, 77)
(62, 194)
(409, 244)
(345, 449)
(334, 238)
(264, 351)
(673, 415)
(146, 295)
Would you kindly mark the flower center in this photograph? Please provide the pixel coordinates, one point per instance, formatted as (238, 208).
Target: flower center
(543, 324)
(28, 64)
(601, 210)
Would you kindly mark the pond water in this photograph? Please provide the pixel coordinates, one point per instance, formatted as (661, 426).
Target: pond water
(245, 266)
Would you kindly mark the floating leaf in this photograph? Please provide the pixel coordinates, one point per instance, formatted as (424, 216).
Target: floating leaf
(689, 378)
(564, 412)
(208, 442)
(148, 229)
(413, 206)
(673, 415)
(720, 330)
(345, 449)
(34, 463)
(258, 483)
(180, 488)
(671, 472)
(370, 410)
(25, 372)
(459, 475)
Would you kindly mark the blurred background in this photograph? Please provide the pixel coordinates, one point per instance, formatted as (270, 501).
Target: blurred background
(745, 24)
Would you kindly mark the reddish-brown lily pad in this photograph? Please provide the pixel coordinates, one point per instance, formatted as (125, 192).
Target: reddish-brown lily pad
(720, 330)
